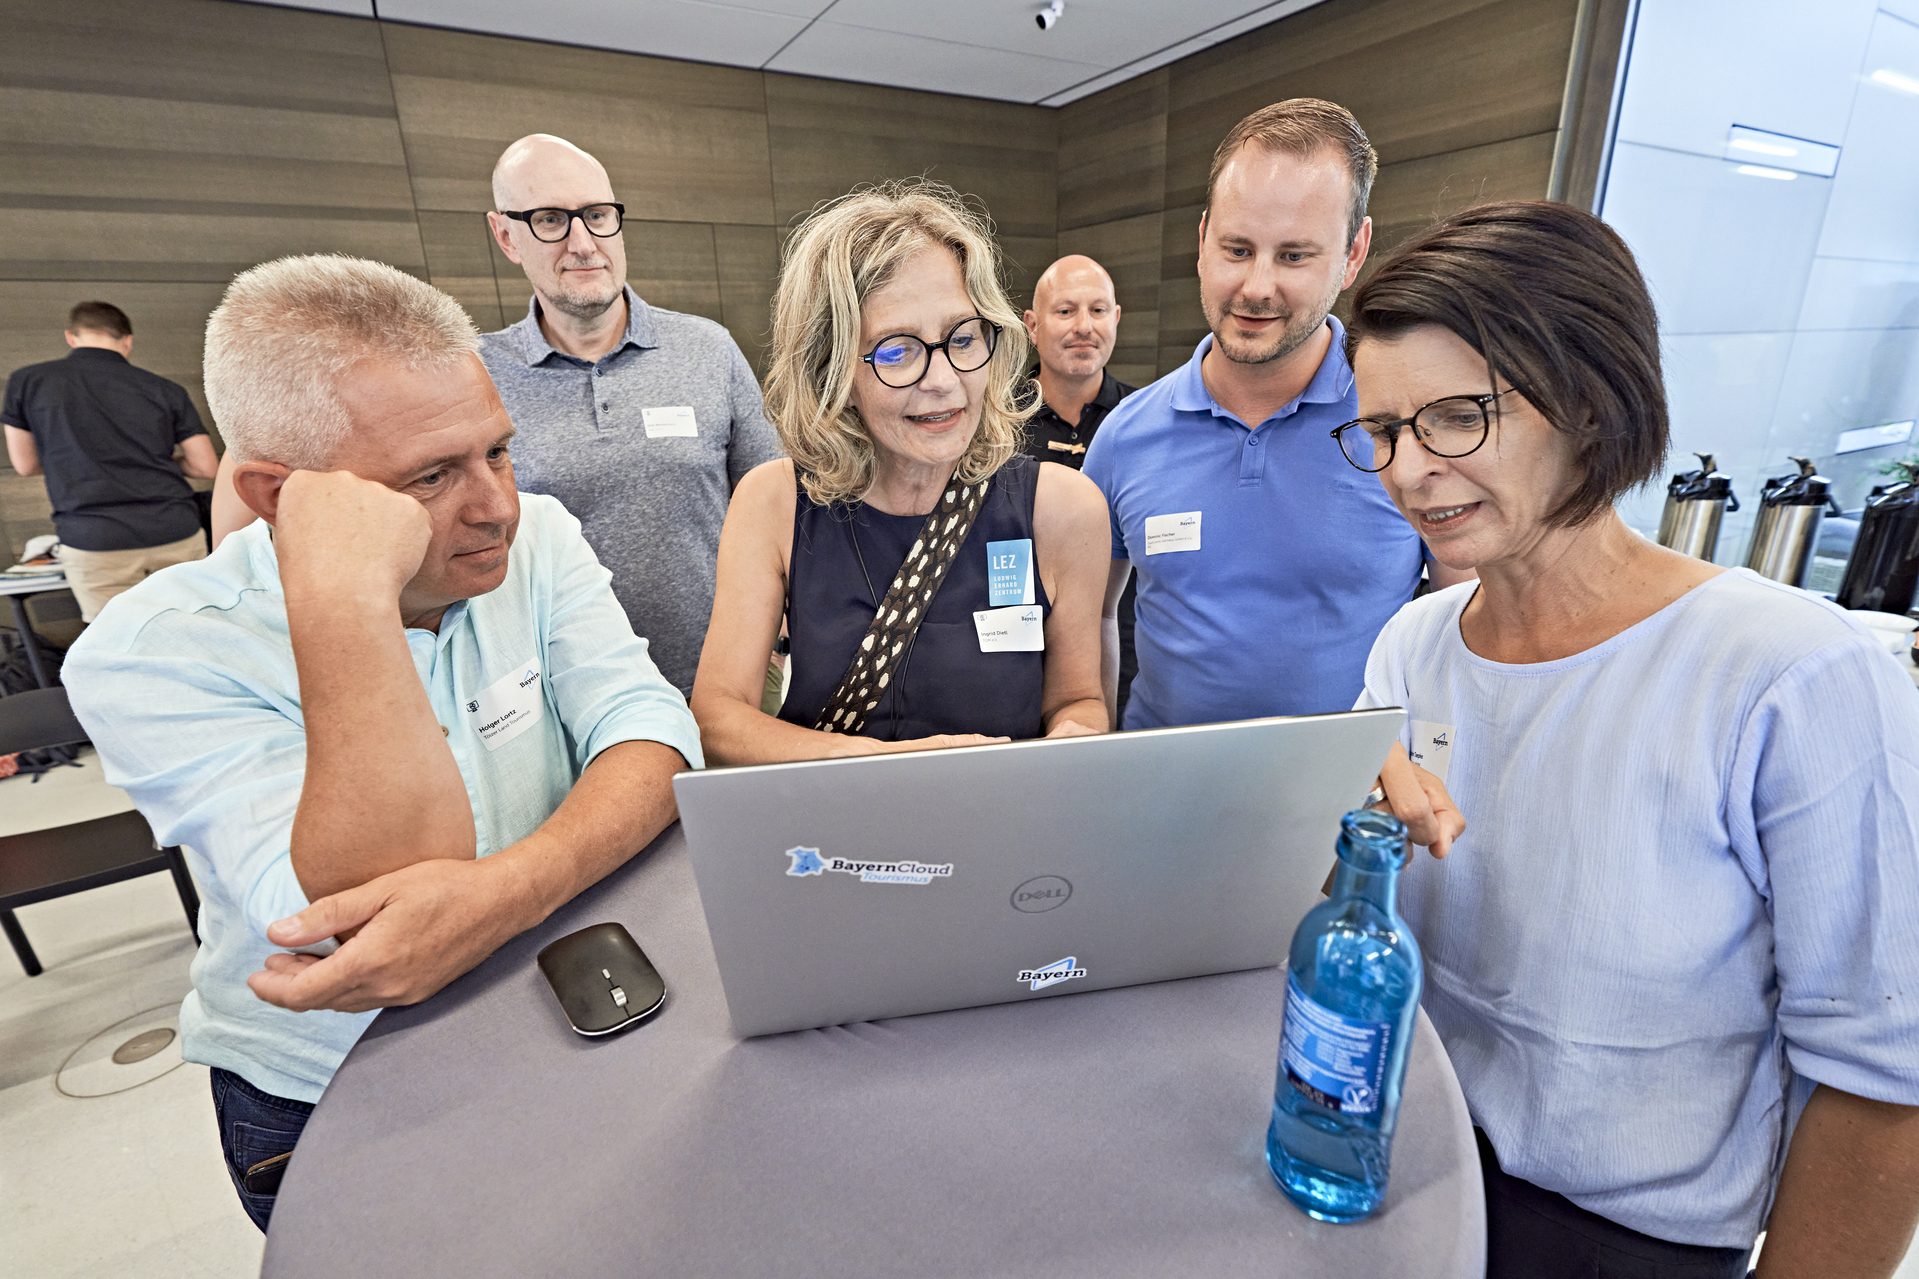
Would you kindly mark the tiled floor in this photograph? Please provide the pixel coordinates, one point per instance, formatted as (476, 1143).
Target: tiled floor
(131, 1183)
(125, 1184)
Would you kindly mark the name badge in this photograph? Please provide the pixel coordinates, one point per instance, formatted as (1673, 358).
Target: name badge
(677, 420)
(1019, 629)
(1432, 747)
(1009, 572)
(508, 706)
(1167, 533)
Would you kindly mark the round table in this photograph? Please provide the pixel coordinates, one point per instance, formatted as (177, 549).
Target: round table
(1105, 1134)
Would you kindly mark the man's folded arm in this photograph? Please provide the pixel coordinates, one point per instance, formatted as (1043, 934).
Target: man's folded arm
(381, 789)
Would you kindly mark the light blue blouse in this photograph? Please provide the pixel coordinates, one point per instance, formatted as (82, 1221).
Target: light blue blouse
(1688, 890)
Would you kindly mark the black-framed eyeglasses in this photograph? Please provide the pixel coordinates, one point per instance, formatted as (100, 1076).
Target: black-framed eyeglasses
(901, 360)
(1452, 426)
(550, 226)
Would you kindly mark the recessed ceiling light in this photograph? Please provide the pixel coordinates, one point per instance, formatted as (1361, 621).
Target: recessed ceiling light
(1763, 148)
(1765, 171)
(1782, 152)
(1895, 80)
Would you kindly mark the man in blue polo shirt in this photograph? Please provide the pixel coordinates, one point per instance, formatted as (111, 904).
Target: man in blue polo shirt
(1267, 564)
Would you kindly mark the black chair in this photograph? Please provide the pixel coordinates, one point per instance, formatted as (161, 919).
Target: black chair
(69, 859)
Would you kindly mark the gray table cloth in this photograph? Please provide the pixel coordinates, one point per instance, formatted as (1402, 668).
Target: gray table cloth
(1105, 1134)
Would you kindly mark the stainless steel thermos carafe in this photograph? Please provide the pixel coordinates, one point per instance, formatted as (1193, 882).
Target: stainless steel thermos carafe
(1883, 573)
(1790, 509)
(1696, 502)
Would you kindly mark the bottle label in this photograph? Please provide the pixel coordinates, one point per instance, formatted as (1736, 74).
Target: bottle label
(1336, 1061)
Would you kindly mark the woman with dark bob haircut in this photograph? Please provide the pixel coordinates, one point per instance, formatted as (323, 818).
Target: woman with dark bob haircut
(1675, 955)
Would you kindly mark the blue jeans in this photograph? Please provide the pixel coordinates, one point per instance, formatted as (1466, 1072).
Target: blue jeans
(257, 1135)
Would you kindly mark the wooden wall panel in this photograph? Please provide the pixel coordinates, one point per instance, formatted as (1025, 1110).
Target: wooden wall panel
(828, 137)
(1460, 97)
(1410, 196)
(206, 244)
(199, 51)
(682, 142)
(749, 266)
(143, 139)
(1023, 258)
(1423, 77)
(674, 265)
(1130, 250)
(1181, 323)
(24, 512)
(459, 261)
(1112, 157)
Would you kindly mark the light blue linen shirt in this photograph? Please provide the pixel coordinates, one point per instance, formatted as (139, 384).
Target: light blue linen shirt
(186, 685)
(1687, 892)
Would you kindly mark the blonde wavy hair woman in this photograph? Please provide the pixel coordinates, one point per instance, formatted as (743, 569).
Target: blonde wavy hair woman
(938, 587)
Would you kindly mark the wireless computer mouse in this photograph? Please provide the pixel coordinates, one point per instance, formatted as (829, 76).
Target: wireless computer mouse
(603, 980)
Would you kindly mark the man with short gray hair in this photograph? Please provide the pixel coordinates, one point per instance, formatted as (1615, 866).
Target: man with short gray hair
(403, 708)
(638, 418)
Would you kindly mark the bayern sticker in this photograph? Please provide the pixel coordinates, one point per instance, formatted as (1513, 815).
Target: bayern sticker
(807, 861)
(1053, 974)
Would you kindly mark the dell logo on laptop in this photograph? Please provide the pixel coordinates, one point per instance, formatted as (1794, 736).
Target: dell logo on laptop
(1042, 894)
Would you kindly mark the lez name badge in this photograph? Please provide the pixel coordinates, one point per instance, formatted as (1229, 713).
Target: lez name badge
(1432, 747)
(1009, 572)
(508, 706)
(1167, 533)
(1019, 629)
(677, 420)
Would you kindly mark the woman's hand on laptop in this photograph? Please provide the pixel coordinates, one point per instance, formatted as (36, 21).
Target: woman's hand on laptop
(1419, 799)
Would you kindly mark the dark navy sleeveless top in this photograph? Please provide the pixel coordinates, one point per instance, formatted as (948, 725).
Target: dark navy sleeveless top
(945, 684)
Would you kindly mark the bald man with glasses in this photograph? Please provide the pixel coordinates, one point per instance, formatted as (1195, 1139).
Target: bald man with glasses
(639, 419)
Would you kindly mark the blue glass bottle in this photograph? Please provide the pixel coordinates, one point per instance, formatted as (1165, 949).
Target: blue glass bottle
(1352, 989)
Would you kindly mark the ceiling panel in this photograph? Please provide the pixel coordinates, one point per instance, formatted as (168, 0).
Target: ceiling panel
(726, 33)
(904, 61)
(983, 48)
(358, 8)
(1104, 33)
(1132, 70)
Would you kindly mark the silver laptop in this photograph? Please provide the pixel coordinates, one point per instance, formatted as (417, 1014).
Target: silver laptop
(852, 889)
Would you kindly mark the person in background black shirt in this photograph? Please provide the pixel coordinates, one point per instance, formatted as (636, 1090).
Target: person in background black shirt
(103, 433)
(1074, 322)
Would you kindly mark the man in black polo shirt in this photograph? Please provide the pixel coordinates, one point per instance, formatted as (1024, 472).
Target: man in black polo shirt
(1073, 323)
(104, 432)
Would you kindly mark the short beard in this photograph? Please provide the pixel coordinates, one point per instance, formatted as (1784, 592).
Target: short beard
(1295, 335)
(579, 308)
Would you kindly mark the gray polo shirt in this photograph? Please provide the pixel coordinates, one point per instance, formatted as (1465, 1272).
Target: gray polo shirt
(644, 447)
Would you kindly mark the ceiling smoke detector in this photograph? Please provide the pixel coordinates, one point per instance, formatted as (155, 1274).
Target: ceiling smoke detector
(1046, 17)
